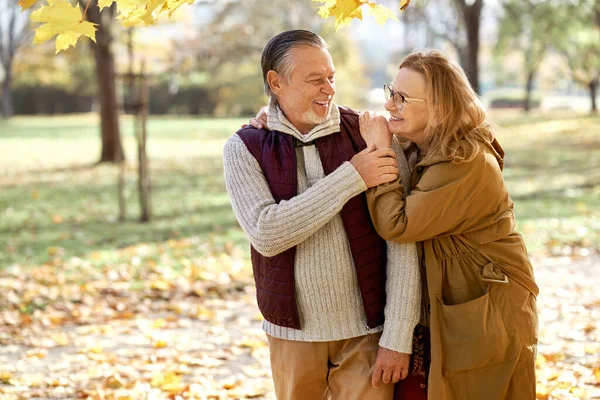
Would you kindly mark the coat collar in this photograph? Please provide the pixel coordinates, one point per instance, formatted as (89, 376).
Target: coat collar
(494, 147)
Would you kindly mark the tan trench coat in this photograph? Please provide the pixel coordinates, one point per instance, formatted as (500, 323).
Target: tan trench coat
(479, 281)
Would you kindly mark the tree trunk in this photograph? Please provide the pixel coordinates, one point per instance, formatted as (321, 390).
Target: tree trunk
(593, 85)
(528, 90)
(472, 18)
(112, 148)
(144, 185)
(7, 105)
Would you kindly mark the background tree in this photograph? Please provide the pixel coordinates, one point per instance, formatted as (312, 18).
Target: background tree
(528, 27)
(45, 83)
(112, 148)
(579, 43)
(14, 32)
(456, 22)
(470, 10)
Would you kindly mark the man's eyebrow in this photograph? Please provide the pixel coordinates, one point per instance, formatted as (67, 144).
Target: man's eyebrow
(318, 74)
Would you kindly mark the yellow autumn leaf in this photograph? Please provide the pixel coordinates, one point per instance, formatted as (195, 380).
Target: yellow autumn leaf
(159, 323)
(127, 7)
(5, 377)
(324, 9)
(25, 4)
(159, 284)
(381, 13)
(36, 353)
(62, 19)
(173, 5)
(166, 381)
(151, 7)
(96, 349)
(346, 10)
(252, 343)
(131, 19)
(204, 313)
(105, 3)
(61, 338)
(114, 382)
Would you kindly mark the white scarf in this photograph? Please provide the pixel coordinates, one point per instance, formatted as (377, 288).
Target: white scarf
(277, 121)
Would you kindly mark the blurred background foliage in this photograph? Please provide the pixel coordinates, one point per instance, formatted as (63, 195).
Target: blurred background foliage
(206, 59)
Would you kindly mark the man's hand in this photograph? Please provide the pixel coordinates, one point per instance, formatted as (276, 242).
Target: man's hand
(374, 129)
(390, 367)
(376, 166)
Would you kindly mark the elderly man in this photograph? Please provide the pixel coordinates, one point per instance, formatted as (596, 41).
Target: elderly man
(321, 270)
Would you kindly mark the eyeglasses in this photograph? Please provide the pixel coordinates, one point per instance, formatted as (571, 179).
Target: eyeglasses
(398, 99)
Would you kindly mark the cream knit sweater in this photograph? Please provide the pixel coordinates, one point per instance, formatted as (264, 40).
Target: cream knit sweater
(327, 291)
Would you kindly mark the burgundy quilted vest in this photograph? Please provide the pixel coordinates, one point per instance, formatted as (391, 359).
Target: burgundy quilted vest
(274, 276)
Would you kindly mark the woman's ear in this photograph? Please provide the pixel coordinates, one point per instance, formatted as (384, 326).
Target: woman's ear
(274, 81)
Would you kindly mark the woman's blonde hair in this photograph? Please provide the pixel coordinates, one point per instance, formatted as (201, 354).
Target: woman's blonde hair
(457, 120)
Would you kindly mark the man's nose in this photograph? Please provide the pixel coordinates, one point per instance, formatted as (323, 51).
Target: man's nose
(329, 88)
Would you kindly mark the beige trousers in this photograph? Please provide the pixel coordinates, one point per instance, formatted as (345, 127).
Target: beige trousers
(338, 370)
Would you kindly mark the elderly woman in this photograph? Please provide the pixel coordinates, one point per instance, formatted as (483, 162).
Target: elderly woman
(480, 294)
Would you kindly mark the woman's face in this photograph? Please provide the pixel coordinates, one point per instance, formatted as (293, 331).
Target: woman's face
(410, 119)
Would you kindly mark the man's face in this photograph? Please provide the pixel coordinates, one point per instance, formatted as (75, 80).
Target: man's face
(305, 98)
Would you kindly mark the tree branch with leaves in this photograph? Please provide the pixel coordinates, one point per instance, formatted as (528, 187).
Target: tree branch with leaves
(65, 20)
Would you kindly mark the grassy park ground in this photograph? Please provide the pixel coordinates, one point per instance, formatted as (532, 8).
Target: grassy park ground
(100, 309)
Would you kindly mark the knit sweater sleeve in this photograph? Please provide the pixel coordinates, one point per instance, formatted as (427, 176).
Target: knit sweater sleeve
(275, 227)
(403, 289)
(403, 284)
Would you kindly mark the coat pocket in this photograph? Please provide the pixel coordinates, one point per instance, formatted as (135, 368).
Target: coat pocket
(473, 335)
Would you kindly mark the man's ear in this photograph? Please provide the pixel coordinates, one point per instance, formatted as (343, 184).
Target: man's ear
(274, 80)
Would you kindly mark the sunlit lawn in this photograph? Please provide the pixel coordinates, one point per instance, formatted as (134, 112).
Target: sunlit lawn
(53, 199)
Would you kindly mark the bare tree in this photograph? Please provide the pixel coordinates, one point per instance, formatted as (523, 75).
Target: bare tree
(580, 45)
(457, 22)
(471, 15)
(14, 32)
(529, 27)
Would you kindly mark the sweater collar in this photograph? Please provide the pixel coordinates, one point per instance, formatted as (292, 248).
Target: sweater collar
(277, 121)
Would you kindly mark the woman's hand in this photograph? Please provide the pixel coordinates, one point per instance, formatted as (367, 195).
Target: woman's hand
(374, 130)
(260, 120)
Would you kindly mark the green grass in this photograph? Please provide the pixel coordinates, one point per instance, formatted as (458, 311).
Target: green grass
(553, 175)
(55, 202)
(57, 205)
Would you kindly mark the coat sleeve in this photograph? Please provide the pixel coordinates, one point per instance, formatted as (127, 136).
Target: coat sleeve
(449, 199)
